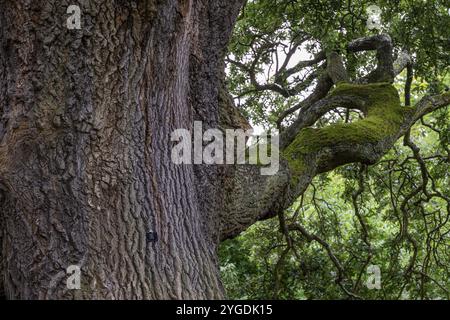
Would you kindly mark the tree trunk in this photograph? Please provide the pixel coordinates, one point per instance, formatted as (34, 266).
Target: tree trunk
(86, 116)
(85, 171)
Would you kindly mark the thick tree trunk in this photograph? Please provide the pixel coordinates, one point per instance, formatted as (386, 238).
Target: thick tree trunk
(85, 170)
(86, 115)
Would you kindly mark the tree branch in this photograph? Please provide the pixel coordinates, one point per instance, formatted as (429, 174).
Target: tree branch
(323, 86)
(403, 60)
(308, 151)
(336, 69)
(383, 45)
(313, 151)
(281, 75)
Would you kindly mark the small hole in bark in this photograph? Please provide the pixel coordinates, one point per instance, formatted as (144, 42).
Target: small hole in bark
(152, 236)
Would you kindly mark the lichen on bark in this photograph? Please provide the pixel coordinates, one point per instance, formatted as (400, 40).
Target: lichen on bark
(384, 115)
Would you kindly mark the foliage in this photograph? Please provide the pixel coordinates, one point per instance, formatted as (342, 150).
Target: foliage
(395, 214)
(328, 211)
(269, 30)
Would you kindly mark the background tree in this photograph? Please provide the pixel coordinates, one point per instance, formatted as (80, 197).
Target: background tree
(86, 116)
(393, 214)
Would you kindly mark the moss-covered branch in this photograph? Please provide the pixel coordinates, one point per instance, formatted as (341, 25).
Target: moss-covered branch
(314, 151)
(307, 151)
(320, 150)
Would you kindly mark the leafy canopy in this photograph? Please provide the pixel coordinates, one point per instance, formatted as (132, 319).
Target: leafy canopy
(394, 215)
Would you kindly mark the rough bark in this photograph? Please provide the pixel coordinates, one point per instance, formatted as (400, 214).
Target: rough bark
(85, 169)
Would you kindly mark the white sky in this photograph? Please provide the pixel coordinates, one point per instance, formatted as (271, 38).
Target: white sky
(300, 55)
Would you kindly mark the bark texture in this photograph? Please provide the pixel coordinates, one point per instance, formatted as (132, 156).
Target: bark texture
(85, 170)
(85, 121)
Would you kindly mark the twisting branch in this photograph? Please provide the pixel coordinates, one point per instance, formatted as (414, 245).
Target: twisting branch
(340, 270)
(337, 73)
(308, 151)
(336, 69)
(316, 151)
(309, 116)
(408, 83)
(382, 43)
(322, 88)
(364, 228)
(403, 61)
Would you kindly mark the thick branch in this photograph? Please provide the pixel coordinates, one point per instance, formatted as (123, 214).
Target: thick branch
(322, 88)
(383, 45)
(403, 60)
(314, 151)
(308, 116)
(336, 69)
(310, 151)
(252, 197)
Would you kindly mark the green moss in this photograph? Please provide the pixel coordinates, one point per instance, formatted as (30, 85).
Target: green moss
(295, 161)
(384, 115)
